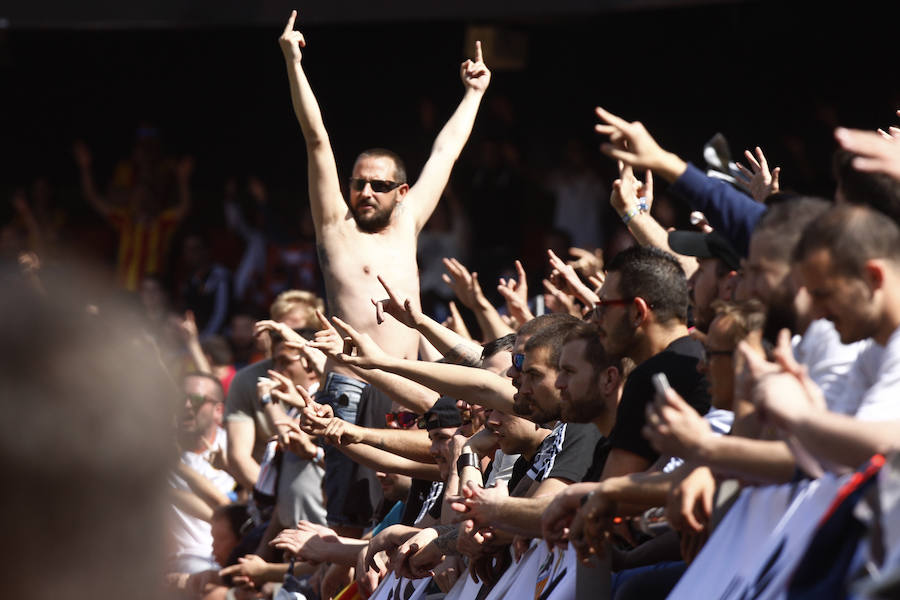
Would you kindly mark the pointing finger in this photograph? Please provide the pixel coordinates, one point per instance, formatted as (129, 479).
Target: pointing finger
(290, 24)
(478, 55)
(610, 118)
(389, 291)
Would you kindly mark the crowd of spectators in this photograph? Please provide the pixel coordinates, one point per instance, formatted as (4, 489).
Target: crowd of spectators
(631, 411)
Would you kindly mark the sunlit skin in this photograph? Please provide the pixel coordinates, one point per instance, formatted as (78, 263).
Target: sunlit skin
(583, 392)
(719, 368)
(201, 421)
(515, 435)
(537, 390)
(372, 210)
(616, 330)
(849, 303)
(440, 448)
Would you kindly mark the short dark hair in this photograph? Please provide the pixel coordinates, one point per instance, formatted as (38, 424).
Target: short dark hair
(491, 348)
(657, 277)
(237, 516)
(552, 338)
(220, 390)
(785, 221)
(852, 235)
(531, 327)
(399, 166)
(594, 352)
(876, 190)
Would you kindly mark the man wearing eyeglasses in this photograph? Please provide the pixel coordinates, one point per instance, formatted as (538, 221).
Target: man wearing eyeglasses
(199, 484)
(373, 231)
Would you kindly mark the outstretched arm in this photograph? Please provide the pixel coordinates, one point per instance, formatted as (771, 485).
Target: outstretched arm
(730, 211)
(645, 229)
(325, 198)
(425, 194)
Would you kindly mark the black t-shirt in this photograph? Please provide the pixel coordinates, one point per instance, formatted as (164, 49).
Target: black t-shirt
(567, 453)
(420, 492)
(679, 362)
(601, 453)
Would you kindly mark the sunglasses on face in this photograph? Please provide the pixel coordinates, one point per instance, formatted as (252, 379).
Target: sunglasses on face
(599, 308)
(198, 400)
(403, 419)
(379, 186)
(517, 361)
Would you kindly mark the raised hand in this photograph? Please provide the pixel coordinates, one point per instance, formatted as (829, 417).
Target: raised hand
(632, 144)
(401, 309)
(369, 354)
(875, 153)
(291, 41)
(455, 322)
(566, 279)
(281, 329)
(327, 339)
(187, 327)
(475, 74)
(586, 262)
(287, 392)
(515, 292)
(759, 180)
(559, 301)
(463, 283)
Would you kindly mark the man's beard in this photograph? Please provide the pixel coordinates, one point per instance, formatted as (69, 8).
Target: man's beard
(374, 221)
(780, 314)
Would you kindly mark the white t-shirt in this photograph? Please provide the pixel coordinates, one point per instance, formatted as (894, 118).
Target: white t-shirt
(829, 362)
(874, 383)
(193, 536)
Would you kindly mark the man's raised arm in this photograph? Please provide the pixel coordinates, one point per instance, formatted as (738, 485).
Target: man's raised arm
(425, 194)
(325, 198)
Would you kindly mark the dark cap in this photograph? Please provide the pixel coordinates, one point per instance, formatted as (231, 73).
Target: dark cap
(443, 414)
(705, 245)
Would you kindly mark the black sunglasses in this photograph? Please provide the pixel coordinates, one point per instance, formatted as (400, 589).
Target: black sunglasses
(379, 186)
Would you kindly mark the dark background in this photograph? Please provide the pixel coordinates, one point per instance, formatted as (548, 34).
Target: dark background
(212, 78)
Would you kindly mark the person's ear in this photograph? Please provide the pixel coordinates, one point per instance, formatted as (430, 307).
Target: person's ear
(401, 191)
(641, 311)
(727, 285)
(874, 273)
(612, 380)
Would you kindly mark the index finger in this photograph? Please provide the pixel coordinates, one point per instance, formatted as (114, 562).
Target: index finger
(610, 118)
(478, 55)
(323, 320)
(389, 291)
(345, 327)
(555, 262)
(290, 24)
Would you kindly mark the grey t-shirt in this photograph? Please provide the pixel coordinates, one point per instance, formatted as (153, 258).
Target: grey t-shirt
(242, 404)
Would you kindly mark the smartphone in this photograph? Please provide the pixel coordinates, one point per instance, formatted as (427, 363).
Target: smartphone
(661, 383)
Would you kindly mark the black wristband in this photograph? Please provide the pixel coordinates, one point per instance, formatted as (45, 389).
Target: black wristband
(467, 459)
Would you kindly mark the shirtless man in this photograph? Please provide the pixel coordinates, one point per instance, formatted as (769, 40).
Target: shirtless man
(373, 232)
